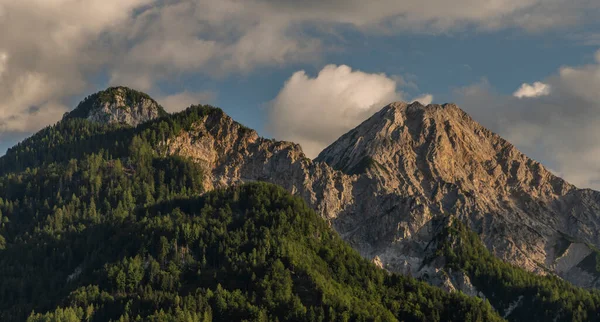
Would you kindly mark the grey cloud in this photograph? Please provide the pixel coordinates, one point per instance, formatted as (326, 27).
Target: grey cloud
(48, 51)
(53, 48)
(440, 16)
(560, 129)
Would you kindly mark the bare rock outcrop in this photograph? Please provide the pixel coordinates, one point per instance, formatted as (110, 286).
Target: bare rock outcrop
(118, 105)
(232, 154)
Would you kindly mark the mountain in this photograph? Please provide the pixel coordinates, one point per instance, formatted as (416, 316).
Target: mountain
(382, 184)
(98, 223)
(118, 105)
(427, 161)
(94, 198)
(422, 162)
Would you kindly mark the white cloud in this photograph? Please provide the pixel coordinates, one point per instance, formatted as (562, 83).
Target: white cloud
(314, 111)
(424, 99)
(559, 129)
(179, 101)
(536, 89)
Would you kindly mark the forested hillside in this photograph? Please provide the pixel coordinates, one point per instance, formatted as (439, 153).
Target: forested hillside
(247, 253)
(521, 295)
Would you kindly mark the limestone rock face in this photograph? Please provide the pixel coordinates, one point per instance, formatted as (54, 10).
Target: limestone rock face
(423, 162)
(119, 105)
(385, 185)
(232, 154)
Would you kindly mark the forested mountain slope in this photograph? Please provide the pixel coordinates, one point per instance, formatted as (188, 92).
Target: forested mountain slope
(252, 253)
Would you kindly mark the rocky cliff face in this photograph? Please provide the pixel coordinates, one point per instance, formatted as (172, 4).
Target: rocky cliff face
(119, 105)
(424, 162)
(231, 154)
(384, 185)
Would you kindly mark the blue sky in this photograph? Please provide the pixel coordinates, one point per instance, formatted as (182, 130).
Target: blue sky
(248, 57)
(438, 64)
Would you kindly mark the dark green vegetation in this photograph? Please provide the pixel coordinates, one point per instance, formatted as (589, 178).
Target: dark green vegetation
(75, 138)
(98, 225)
(248, 253)
(539, 298)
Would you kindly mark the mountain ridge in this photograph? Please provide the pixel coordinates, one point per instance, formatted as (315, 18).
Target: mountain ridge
(384, 209)
(442, 157)
(524, 187)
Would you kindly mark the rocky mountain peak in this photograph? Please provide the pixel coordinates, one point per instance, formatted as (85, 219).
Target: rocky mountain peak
(120, 105)
(436, 144)
(414, 163)
(397, 124)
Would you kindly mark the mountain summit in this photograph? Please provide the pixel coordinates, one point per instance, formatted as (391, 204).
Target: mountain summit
(421, 162)
(118, 105)
(429, 146)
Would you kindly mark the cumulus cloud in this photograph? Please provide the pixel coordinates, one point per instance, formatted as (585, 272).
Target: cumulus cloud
(560, 128)
(314, 111)
(536, 89)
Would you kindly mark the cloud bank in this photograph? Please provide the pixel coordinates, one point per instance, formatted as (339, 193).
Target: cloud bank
(51, 51)
(315, 111)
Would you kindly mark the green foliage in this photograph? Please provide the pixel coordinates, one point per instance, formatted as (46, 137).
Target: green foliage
(251, 253)
(539, 298)
(75, 138)
(59, 315)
